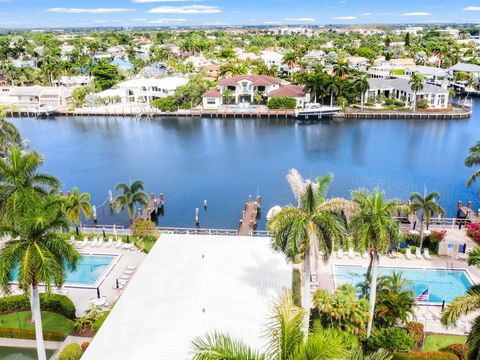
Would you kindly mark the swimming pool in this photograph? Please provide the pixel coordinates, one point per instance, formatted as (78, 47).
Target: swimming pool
(443, 284)
(90, 271)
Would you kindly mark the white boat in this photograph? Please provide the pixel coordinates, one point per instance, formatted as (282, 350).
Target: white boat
(45, 111)
(316, 111)
(273, 211)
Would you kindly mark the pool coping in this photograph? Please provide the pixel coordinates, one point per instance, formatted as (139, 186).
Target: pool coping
(468, 275)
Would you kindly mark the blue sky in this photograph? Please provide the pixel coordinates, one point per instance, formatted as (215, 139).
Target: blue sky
(63, 13)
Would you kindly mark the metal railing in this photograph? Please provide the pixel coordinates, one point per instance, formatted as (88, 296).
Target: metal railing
(261, 233)
(196, 231)
(434, 223)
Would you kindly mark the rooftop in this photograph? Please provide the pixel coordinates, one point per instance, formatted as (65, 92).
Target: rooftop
(189, 285)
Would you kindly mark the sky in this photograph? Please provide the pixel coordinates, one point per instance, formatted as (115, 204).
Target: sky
(81, 13)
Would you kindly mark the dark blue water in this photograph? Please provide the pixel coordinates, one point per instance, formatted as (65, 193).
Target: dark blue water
(225, 160)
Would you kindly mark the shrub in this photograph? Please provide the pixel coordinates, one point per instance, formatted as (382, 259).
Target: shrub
(85, 345)
(297, 287)
(56, 303)
(393, 339)
(416, 330)
(422, 104)
(473, 231)
(99, 322)
(72, 351)
(460, 350)
(281, 103)
(432, 355)
(30, 334)
(165, 104)
(437, 236)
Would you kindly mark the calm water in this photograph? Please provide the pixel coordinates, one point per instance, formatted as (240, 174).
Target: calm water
(442, 284)
(225, 160)
(11, 353)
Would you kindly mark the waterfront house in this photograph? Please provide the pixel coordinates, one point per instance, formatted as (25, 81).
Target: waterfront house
(292, 91)
(72, 81)
(33, 96)
(472, 69)
(143, 90)
(399, 89)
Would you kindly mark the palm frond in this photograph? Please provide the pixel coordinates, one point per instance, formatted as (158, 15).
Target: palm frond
(218, 346)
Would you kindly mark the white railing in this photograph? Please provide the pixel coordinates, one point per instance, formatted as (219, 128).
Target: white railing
(196, 231)
(434, 223)
(261, 233)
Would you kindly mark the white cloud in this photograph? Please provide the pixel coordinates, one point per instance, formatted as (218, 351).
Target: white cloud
(366, 14)
(471, 8)
(345, 18)
(273, 22)
(140, 19)
(89, 11)
(304, 19)
(419, 13)
(166, 21)
(188, 9)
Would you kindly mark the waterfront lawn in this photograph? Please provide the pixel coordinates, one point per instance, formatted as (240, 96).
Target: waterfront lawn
(50, 322)
(438, 342)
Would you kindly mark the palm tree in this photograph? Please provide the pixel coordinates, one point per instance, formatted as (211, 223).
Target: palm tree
(18, 173)
(375, 229)
(133, 194)
(333, 87)
(38, 251)
(76, 205)
(9, 134)
(313, 226)
(467, 304)
(290, 59)
(362, 85)
(341, 68)
(472, 159)
(427, 205)
(228, 95)
(416, 84)
(285, 340)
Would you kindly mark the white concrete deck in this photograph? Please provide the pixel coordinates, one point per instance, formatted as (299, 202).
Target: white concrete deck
(190, 285)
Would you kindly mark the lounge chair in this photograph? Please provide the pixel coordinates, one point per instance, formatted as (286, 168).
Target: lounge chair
(418, 253)
(351, 253)
(340, 254)
(426, 254)
(131, 267)
(84, 242)
(128, 272)
(408, 254)
(94, 242)
(124, 277)
(119, 243)
(100, 242)
(110, 242)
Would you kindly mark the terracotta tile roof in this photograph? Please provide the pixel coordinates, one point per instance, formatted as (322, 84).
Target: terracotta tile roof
(288, 90)
(212, 93)
(259, 80)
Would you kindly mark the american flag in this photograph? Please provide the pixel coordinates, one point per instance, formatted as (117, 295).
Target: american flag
(424, 296)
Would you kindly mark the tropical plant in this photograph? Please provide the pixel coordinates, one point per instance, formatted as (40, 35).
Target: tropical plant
(333, 87)
(313, 226)
(378, 355)
(133, 195)
(36, 253)
(473, 159)
(92, 314)
(427, 205)
(285, 340)
(416, 84)
(376, 231)
(9, 134)
(77, 204)
(228, 96)
(392, 339)
(341, 68)
(18, 175)
(467, 304)
(361, 85)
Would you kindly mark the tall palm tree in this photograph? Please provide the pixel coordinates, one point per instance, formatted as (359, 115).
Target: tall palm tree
(310, 227)
(427, 204)
(133, 195)
(18, 174)
(290, 59)
(472, 159)
(361, 85)
(9, 134)
(333, 87)
(341, 68)
(467, 304)
(416, 84)
(76, 205)
(374, 228)
(285, 340)
(38, 252)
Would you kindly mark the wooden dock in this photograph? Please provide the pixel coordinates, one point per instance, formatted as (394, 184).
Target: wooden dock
(248, 223)
(153, 209)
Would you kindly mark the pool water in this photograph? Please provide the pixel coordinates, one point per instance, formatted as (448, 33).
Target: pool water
(12, 353)
(442, 284)
(89, 270)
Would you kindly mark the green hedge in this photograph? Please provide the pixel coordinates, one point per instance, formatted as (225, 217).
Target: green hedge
(281, 103)
(432, 355)
(30, 334)
(392, 339)
(99, 322)
(56, 303)
(72, 351)
(165, 104)
(297, 287)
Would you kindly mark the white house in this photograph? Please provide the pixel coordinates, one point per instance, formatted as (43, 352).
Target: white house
(436, 96)
(32, 96)
(292, 91)
(271, 58)
(144, 90)
(472, 69)
(70, 81)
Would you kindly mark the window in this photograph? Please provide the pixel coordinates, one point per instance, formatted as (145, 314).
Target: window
(211, 101)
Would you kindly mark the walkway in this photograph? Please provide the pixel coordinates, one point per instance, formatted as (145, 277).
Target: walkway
(248, 222)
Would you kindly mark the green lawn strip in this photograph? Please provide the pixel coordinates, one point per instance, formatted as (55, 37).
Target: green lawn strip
(438, 342)
(50, 322)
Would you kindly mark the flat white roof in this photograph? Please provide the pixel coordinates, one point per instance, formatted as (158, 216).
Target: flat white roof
(189, 285)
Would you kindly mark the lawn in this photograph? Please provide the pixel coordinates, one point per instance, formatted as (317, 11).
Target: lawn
(50, 321)
(437, 342)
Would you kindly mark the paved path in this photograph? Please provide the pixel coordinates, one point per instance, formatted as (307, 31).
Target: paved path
(24, 343)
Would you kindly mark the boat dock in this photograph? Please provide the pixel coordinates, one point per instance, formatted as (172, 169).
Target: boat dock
(440, 115)
(153, 209)
(248, 223)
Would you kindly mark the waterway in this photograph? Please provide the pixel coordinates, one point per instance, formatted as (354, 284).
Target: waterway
(224, 160)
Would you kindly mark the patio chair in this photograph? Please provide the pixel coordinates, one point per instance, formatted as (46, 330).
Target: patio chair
(110, 242)
(426, 254)
(340, 254)
(100, 242)
(408, 254)
(128, 272)
(131, 267)
(418, 253)
(351, 253)
(119, 243)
